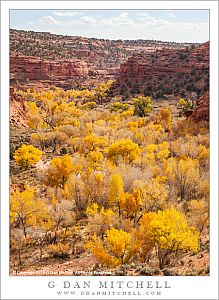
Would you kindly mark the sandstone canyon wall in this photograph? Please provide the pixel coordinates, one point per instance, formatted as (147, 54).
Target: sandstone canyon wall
(27, 68)
(165, 71)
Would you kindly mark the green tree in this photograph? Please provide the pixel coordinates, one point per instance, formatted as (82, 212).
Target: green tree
(143, 106)
(101, 91)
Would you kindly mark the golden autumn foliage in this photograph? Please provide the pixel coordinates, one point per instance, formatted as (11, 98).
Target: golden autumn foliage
(34, 120)
(39, 139)
(88, 105)
(53, 109)
(116, 189)
(171, 233)
(59, 250)
(119, 180)
(127, 113)
(116, 249)
(27, 155)
(96, 247)
(154, 194)
(95, 158)
(154, 133)
(143, 234)
(91, 186)
(199, 212)
(185, 105)
(101, 90)
(59, 171)
(27, 210)
(118, 106)
(185, 172)
(132, 125)
(157, 151)
(123, 149)
(165, 117)
(100, 219)
(92, 143)
(131, 203)
(203, 154)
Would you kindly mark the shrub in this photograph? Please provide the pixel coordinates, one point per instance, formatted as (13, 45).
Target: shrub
(95, 158)
(185, 105)
(131, 203)
(100, 219)
(89, 105)
(199, 212)
(119, 106)
(92, 143)
(59, 250)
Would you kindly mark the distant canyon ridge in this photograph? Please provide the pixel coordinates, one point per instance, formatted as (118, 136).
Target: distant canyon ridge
(143, 66)
(156, 68)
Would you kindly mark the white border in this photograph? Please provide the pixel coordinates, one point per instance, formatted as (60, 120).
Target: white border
(181, 287)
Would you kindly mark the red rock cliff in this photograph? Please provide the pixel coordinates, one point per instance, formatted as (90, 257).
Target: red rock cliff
(25, 68)
(166, 71)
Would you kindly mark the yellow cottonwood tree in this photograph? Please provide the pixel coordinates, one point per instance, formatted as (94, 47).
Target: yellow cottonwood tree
(143, 105)
(165, 118)
(116, 249)
(34, 120)
(185, 173)
(27, 155)
(92, 143)
(59, 171)
(171, 233)
(116, 188)
(143, 234)
(154, 194)
(125, 149)
(27, 210)
(95, 158)
(159, 152)
(131, 203)
(96, 247)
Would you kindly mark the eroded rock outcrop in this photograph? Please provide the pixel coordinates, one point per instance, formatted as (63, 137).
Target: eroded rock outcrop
(202, 111)
(17, 110)
(166, 71)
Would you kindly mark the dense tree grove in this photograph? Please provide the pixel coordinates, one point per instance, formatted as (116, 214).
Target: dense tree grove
(128, 182)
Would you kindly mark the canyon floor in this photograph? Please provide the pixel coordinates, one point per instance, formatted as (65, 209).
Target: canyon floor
(109, 157)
